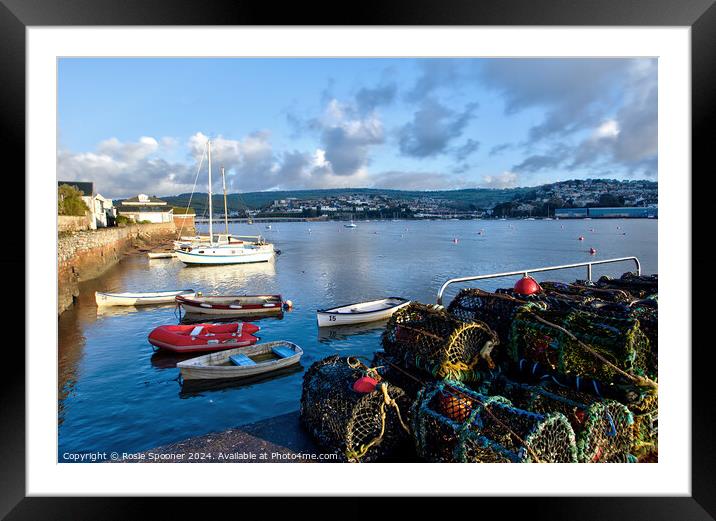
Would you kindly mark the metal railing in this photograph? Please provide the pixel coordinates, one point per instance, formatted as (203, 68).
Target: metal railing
(588, 265)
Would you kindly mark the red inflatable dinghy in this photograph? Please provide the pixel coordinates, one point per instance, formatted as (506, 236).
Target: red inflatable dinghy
(196, 338)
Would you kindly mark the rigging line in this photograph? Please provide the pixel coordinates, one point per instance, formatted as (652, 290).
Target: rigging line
(196, 178)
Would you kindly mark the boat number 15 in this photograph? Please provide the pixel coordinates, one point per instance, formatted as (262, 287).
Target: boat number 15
(331, 318)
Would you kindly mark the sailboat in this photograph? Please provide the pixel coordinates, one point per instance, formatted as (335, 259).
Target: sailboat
(351, 224)
(215, 252)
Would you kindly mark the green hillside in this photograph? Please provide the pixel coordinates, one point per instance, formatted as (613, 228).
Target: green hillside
(459, 199)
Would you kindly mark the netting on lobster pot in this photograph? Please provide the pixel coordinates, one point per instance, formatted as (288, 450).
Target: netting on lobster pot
(585, 292)
(411, 380)
(359, 426)
(640, 286)
(494, 309)
(452, 423)
(580, 342)
(604, 428)
(432, 340)
(632, 393)
(646, 427)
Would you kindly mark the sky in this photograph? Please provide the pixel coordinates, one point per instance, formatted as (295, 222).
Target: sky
(140, 125)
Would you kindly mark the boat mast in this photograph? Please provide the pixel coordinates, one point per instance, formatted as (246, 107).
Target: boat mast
(211, 228)
(226, 212)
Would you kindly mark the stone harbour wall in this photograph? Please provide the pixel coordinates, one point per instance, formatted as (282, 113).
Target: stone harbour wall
(84, 255)
(71, 223)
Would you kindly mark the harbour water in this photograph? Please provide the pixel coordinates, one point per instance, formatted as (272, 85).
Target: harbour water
(116, 394)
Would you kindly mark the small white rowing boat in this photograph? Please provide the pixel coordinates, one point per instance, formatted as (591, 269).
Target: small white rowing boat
(360, 312)
(140, 299)
(241, 362)
(161, 254)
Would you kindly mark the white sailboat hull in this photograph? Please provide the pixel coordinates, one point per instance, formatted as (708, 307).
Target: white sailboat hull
(226, 255)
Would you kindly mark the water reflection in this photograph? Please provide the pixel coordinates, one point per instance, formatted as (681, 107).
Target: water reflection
(118, 311)
(200, 318)
(167, 360)
(195, 388)
(328, 334)
(212, 278)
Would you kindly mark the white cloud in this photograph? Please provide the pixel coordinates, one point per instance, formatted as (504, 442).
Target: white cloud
(608, 129)
(503, 180)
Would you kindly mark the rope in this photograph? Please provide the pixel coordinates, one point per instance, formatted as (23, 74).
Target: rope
(356, 456)
(196, 178)
(639, 380)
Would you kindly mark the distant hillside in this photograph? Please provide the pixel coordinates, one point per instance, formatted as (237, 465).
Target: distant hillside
(467, 199)
(477, 197)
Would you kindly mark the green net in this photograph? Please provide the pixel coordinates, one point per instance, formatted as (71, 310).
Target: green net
(410, 380)
(359, 427)
(580, 342)
(452, 423)
(604, 428)
(640, 286)
(494, 309)
(431, 340)
(584, 292)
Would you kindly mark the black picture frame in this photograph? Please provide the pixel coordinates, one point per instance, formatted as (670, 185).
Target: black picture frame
(700, 15)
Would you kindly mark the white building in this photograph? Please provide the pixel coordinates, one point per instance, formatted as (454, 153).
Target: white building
(100, 208)
(146, 208)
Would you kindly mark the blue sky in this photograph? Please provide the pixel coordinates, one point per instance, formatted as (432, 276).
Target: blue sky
(140, 124)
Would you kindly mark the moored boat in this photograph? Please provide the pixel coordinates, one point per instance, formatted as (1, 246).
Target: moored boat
(161, 254)
(226, 254)
(196, 338)
(360, 312)
(242, 362)
(232, 305)
(140, 298)
(217, 253)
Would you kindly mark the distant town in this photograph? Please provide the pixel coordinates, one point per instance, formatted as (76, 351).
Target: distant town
(543, 201)
(597, 198)
(340, 204)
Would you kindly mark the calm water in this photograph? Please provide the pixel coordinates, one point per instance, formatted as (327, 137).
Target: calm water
(115, 393)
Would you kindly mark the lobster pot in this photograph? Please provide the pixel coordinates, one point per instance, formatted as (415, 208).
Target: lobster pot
(425, 338)
(452, 423)
(646, 428)
(604, 429)
(358, 427)
(390, 369)
(539, 336)
(494, 309)
(582, 293)
(640, 286)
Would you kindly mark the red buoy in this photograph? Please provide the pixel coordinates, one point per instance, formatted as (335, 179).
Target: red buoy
(365, 384)
(527, 286)
(581, 238)
(592, 251)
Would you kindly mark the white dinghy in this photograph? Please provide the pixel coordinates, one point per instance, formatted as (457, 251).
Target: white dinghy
(360, 312)
(241, 362)
(161, 254)
(140, 299)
